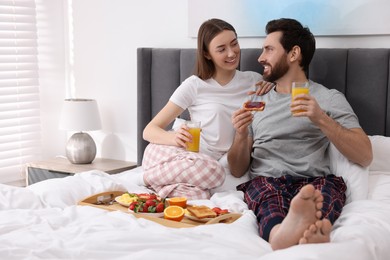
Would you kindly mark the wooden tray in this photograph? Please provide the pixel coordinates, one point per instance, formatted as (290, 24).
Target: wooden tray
(106, 201)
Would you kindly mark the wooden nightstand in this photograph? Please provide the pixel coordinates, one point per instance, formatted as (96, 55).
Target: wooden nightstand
(60, 167)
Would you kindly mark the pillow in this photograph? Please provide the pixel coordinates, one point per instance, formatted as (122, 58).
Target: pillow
(13, 197)
(355, 176)
(379, 186)
(381, 151)
(230, 182)
(63, 192)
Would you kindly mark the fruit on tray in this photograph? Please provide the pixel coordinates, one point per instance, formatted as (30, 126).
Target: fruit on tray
(174, 213)
(147, 203)
(220, 211)
(177, 201)
(126, 198)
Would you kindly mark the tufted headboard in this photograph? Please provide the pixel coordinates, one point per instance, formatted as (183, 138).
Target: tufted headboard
(361, 74)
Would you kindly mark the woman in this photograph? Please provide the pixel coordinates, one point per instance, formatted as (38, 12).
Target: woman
(211, 95)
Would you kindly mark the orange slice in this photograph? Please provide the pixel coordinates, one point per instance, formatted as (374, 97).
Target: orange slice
(178, 201)
(174, 213)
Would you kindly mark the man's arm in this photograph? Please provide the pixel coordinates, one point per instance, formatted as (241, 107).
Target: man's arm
(239, 154)
(352, 143)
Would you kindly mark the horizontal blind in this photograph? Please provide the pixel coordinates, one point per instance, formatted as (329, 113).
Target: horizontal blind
(19, 88)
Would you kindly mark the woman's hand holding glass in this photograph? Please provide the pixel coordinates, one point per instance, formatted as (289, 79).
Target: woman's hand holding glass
(182, 136)
(188, 136)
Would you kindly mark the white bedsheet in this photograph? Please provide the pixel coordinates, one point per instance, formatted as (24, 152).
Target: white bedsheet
(43, 222)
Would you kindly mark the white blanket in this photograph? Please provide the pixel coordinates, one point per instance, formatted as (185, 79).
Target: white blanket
(42, 221)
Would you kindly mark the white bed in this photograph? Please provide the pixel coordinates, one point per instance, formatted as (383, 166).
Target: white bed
(43, 221)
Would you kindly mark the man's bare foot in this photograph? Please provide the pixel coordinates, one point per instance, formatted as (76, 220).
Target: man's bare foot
(317, 233)
(305, 210)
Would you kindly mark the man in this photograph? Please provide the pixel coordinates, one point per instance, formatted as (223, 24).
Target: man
(292, 191)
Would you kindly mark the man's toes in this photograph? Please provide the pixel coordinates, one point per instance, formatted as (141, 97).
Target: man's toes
(307, 191)
(318, 224)
(319, 205)
(309, 232)
(326, 226)
(302, 241)
(312, 228)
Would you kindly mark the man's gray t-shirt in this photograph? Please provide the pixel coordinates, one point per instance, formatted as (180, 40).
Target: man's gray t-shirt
(287, 145)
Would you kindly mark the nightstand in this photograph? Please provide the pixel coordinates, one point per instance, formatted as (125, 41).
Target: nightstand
(60, 167)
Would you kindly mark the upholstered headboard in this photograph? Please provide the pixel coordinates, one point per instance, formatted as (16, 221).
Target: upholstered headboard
(361, 74)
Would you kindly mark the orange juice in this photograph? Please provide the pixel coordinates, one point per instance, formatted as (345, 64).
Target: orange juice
(299, 88)
(194, 145)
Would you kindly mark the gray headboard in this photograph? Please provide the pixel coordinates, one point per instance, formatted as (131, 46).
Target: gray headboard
(361, 74)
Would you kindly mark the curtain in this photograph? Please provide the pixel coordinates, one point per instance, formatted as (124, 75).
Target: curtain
(20, 139)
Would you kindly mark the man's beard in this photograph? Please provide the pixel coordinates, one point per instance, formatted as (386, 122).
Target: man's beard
(278, 71)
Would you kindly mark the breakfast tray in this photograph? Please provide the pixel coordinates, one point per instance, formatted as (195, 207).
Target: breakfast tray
(106, 201)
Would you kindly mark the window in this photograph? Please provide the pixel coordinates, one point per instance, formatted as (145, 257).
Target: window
(19, 89)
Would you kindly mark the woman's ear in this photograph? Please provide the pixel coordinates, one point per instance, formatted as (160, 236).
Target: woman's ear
(207, 56)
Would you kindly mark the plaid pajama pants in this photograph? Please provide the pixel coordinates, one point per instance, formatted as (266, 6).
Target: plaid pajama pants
(174, 172)
(269, 198)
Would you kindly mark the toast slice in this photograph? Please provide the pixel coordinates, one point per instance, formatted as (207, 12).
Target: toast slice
(202, 212)
(254, 105)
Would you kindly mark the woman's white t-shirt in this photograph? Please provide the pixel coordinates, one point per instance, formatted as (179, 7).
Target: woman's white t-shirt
(213, 105)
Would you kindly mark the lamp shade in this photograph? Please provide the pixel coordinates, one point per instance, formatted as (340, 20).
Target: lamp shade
(80, 115)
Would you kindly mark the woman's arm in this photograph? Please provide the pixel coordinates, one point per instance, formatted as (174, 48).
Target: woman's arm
(155, 131)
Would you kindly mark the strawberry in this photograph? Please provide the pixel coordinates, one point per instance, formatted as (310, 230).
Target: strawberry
(216, 210)
(145, 208)
(150, 202)
(160, 207)
(223, 211)
(220, 211)
(147, 196)
(143, 196)
(132, 205)
(152, 196)
(138, 207)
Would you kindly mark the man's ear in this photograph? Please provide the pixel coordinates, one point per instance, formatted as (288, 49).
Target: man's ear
(295, 53)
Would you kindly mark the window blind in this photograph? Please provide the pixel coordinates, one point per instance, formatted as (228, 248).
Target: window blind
(19, 88)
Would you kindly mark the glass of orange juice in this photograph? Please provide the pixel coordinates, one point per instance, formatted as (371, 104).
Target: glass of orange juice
(299, 88)
(194, 129)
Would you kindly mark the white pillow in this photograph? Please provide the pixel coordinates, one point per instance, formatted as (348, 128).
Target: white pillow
(13, 197)
(63, 192)
(381, 151)
(379, 186)
(355, 176)
(230, 182)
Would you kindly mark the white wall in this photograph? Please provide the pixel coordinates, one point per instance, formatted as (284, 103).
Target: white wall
(51, 46)
(106, 36)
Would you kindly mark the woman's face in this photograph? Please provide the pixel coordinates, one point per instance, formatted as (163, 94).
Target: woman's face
(224, 51)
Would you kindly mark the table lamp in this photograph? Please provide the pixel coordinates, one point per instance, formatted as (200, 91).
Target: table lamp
(80, 115)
